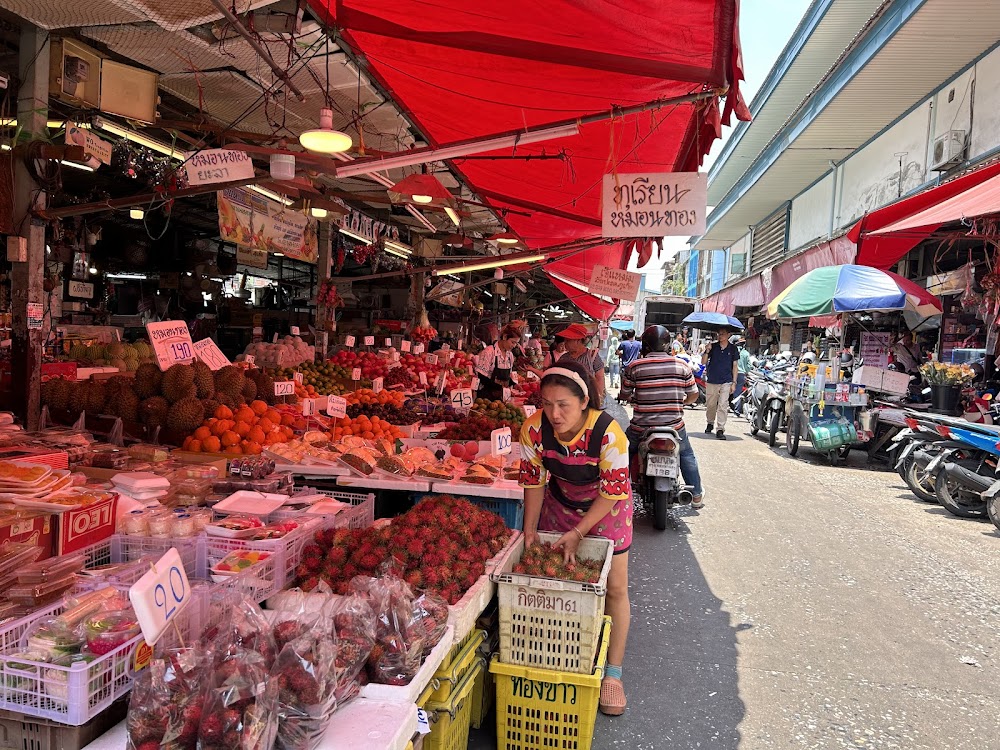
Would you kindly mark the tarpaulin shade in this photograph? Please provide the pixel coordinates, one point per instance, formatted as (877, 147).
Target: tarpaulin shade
(596, 307)
(747, 293)
(883, 250)
(836, 252)
(462, 70)
(979, 200)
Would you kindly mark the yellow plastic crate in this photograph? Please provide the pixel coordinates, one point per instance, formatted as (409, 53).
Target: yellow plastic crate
(450, 721)
(483, 692)
(450, 675)
(540, 709)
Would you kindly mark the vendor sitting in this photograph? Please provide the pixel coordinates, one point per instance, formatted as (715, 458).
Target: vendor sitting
(495, 364)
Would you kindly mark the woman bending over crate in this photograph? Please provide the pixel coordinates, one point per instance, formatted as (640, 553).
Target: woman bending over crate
(575, 474)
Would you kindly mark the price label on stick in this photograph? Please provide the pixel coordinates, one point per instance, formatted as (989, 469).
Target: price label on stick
(298, 378)
(293, 330)
(395, 357)
(284, 388)
(418, 348)
(423, 379)
(250, 359)
(500, 442)
(460, 344)
(462, 398)
(442, 378)
(388, 342)
(529, 410)
(506, 394)
(208, 352)
(160, 595)
(369, 341)
(431, 359)
(475, 384)
(308, 407)
(336, 406)
(377, 384)
(356, 373)
(405, 346)
(349, 341)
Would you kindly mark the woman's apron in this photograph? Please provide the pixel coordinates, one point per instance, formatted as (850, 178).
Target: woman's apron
(574, 483)
(494, 391)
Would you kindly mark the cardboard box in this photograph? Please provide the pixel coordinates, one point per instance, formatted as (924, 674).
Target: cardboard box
(870, 377)
(77, 529)
(897, 383)
(28, 527)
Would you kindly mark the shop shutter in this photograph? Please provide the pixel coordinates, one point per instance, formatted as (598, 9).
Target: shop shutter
(768, 244)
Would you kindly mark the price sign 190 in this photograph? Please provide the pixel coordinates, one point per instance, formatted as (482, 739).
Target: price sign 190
(284, 388)
(356, 373)
(160, 595)
(336, 406)
(500, 441)
(181, 351)
(369, 341)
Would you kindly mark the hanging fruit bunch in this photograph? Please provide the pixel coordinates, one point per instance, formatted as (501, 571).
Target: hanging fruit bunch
(364, 253)
(423, 331)
(328, 295)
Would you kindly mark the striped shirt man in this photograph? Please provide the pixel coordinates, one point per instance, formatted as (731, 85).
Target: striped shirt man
(658, 385)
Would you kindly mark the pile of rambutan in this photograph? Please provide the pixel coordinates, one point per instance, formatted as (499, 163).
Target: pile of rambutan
(543, 561)
(441, 545)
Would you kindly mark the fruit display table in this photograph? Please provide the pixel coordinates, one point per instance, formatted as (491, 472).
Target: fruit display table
(499, 490)
(383, 483)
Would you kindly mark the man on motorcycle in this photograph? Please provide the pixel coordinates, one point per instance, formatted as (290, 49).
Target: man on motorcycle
(660, 385)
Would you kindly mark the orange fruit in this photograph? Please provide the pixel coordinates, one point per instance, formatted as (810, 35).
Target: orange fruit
(273, 415)
(259, 407)
(230, 439)
(186, 445)
(244, 414)
(287, 432)
(266, 425)
(256, 435)
(224, 412)
(211, 444)
(287, 419)
(252, 447)
(219, 428)
(233, 450)
(241, 429)
(201, 433)
(194, 446)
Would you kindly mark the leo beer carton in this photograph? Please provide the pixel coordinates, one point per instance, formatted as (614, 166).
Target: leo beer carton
(84, 527)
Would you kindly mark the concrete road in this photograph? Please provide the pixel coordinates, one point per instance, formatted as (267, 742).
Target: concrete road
(809, 606)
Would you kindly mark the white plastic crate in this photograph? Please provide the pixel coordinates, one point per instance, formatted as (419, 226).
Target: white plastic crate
(125, 548)
(360, 516)
(552, 624)
(288, 548)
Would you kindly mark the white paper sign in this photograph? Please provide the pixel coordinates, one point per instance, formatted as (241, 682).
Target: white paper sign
(218, 165)
(336, 406)
(369, 341)
(81, 290)
(160, 595)
(209, 352)
(388, 341)
(251, 256)
(418, 348)
(500, 441)
(654, 204)
(462, 398)
(250, 359)
(349, 341)
(431, 359)
(356, 373)
(475, 384)
(529, 410)
(284, 388)
(395, 357)
(405, 346)
(378, 384)
(514, 378)
(442, 379)
(171, 342)
(293, 330)
(423, 379)
(299, 378)
(308, 407)
(616, 283)
(506, 394)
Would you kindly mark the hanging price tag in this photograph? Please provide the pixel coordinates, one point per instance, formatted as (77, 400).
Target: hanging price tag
(160, 595)
(462, 398)
(423, 725)
(442, 378)
(460, 344)
(388, 342)
(506, 394)
(377, 384)
(356, 373)
(475, 384)
(431, 359)
(349, 341)
(423, 379)
(308, 407)
(395, 357)
(500, 442)
(249, 359)
(369, 341)
(336, 406)
(293, 330)
(418, 348)
(299, 378)
(284, 388)
(405, 346)
(529, 410)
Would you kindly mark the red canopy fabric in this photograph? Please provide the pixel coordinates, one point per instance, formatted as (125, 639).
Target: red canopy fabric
(748, 293)
(979, 200)
(884, 250)
(464, 70)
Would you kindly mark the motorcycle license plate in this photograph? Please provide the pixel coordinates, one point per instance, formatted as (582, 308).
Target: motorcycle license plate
(661, 466)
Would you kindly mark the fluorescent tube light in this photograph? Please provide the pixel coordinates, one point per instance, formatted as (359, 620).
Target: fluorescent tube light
(400, 247)
(398, 254)
(452, 214)
(354, 235)
(139, 138)
(269, 194)
(498, 263)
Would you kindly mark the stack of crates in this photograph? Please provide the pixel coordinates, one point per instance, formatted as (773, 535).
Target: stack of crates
(447, 700)
(553, 649)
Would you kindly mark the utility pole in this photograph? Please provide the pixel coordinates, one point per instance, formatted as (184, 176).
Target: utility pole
(27, 293)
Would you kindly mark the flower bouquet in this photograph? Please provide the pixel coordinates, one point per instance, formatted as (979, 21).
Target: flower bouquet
(941, 373)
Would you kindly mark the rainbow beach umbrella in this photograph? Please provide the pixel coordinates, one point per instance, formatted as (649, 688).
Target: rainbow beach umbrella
(832, 290)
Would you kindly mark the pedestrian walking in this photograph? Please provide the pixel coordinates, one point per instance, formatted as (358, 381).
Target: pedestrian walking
(721, 362)
(629, 349)
(614, 362)
(742, 368)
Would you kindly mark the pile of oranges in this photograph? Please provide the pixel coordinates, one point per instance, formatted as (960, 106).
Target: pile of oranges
(383, 398)
(245, 431)
(369, 428)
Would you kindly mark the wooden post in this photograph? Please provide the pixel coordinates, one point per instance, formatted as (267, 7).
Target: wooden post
(27, 277)
(324, 266)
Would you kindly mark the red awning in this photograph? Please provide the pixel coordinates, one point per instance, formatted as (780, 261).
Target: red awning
(462, 70)
(836, 252)
(886, 235)
(748, 293)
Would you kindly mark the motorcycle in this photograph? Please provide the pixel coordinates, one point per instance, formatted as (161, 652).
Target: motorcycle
(967, 473)
(659, 474)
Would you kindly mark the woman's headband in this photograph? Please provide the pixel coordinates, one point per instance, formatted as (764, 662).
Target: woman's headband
(567, 373)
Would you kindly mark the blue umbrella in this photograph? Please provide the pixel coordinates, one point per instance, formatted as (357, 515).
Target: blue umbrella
(621, 325)
(710, 321)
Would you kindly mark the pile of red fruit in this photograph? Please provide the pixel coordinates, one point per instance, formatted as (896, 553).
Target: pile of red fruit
(423, 334)
(476, 427)
(543, 561)
(465, 451)
(372, 366)
(441, 545)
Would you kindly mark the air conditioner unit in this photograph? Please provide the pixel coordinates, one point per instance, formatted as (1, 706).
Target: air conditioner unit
(949, 150)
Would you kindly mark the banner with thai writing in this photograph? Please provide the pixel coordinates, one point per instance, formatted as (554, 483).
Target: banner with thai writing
(252, 220)
(654, 204)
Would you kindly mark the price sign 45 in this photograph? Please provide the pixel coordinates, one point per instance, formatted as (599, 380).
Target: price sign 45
(160, 595)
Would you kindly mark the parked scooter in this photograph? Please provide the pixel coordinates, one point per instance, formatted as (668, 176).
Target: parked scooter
(967, 472)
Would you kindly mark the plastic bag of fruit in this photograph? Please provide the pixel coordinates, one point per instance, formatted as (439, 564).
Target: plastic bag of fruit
(303, 689)
(429, 620)
(398, 651)
(240, 625)
(165, 708)
(354, 622)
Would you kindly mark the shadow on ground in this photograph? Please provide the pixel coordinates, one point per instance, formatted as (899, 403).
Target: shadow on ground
(681, 662)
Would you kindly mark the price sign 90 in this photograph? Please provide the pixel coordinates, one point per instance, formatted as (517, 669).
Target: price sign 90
(160, 595)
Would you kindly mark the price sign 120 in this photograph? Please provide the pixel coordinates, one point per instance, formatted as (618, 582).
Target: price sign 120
(160, 595)
(284, 388)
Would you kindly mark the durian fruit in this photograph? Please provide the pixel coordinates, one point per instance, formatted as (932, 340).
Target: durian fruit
(77, 398)
(115, 351)
(203, 379)
(58, 392)
(47, 388)
(125, 405)
(78, 352)
(265, 385)
(249, 392)
(147, 381)
(119, 364)
(115, 386)
(226, 399)
(153, 411)
(210, 405)
(229, 380)
(186, 415)
(178, 383)
(142, 349)
(96, 396)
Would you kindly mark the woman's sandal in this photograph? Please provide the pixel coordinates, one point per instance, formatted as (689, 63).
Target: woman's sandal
(612, 700)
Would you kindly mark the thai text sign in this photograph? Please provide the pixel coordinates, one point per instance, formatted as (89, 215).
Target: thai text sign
(218, 165)
(171, 342)
(246, 218)
(615, 283)
(654, 204)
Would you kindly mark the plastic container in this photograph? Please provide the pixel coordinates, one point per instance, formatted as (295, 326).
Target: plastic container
(52, 569)
(16, 556)
(136, 522)
(360, 516)
(161, 525)
(539, 709)
(148, 452)
(550, 624)
(183, 526)
(140, 481)
(450, 674)
(35, 594)
(198, 472)
(483, 692)
(107, 631)
(450, 720)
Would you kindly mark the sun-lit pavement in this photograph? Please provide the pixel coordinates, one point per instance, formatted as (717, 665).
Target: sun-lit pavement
(809, 606)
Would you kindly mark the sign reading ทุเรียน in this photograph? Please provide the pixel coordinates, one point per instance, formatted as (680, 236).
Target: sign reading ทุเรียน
(654, 204)
(171, 342)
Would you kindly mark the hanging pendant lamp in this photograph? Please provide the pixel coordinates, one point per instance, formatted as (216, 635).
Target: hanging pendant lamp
(504, 238)
(326, 140)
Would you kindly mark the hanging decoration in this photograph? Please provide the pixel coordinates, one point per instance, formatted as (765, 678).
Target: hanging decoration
(363, 253)
(145, 166)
